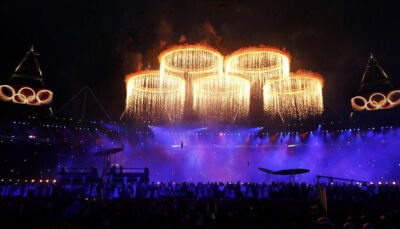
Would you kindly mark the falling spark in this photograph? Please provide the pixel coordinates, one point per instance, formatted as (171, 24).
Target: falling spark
(299, 96)
(154, 97)
(258, 64)
(192, 78)
(191, 61)
(222, 98)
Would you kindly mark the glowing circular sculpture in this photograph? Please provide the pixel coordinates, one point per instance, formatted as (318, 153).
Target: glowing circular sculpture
(394, 97)
(299, 96)
(25, 95)
(154, 97)
(376, 101)
(7, 93)
(358, 103)
(222, 98)
(258, 64)
(192, 78)
(191, 61)
(44, 96)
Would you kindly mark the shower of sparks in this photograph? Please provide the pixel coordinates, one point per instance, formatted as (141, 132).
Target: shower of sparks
(154, 97)
(299, 96)
(191, 61)
(258, 64)
(222, 98)
(193, 78)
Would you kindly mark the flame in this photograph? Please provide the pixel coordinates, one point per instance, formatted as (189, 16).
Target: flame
(299, 96)
(258, 63)
(191, 61)
(154, 97)
(223, 98)
(195, 74)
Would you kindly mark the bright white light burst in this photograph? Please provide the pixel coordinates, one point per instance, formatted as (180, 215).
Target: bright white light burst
(299, 96)
(152, 97)
(191, 61)
(224, 98)
(258, 64)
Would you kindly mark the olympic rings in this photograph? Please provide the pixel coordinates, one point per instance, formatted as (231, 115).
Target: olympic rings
(6, 93)
(25, 95)
(376, 101)
(392, 97)
(44, 96)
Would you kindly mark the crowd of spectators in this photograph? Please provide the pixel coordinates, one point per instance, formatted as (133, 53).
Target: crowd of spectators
(236, 190)
(202, 205)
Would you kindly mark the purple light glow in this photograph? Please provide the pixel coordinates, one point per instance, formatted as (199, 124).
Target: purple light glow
(236, 154)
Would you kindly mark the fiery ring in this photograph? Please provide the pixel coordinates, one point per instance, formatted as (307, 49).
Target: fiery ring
(258, 63)
(152, 82)
(298, 96)
(223, 98)
(194, 60)
(151, 96)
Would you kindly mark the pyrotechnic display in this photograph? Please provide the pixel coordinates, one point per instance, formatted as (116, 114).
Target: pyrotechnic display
(191, 61)
(193, 77)
(154, 97)
(223, 98)
(299, 96)
(258, 64)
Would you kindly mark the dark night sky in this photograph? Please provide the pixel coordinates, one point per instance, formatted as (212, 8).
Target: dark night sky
(97, 43)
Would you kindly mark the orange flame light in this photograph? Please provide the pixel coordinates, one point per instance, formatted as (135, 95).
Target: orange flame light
(224, 98)
(299, 96)
(191, 61)
(195, 74)
(258, 64)
(152, 97)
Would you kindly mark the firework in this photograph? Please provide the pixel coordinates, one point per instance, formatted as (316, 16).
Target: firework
(299, 96)
(191, 61)
(192, 79)
(154, 97)
(222, 98)
(258, 64)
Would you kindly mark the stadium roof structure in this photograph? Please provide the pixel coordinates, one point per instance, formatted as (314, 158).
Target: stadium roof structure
(374, 78)
(28, 71)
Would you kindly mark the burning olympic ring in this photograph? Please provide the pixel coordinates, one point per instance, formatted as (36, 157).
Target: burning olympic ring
(376, 101)
(25, 95)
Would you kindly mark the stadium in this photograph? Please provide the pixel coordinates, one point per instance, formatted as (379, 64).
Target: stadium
(207, 138)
